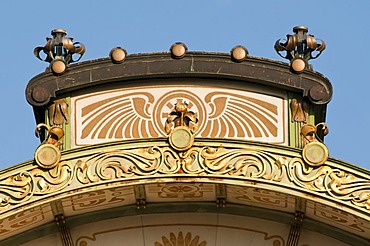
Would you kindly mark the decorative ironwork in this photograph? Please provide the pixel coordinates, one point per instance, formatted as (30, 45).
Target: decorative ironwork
(300, 47)
(295, 229)
(60, 47)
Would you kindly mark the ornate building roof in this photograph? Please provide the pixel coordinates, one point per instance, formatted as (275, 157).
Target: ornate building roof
(170, 148)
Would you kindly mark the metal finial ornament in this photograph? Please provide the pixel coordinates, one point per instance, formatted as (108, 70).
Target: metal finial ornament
(59, 51)
(299, 48)
(178, 50)
(239, 53)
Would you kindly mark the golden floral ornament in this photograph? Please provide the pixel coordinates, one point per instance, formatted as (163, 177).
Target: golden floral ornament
(48, 155)
(188, 240)
(185, 123)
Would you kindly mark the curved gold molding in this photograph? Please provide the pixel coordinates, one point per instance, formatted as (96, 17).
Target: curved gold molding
(246, 163)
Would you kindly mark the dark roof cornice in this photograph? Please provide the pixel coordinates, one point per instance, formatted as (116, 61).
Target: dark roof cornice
(316, 87)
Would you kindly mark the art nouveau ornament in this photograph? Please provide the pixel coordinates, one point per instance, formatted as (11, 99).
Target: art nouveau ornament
(315, 152)
(48, 155)
(300, 48)
(185, 123)
(59, 51)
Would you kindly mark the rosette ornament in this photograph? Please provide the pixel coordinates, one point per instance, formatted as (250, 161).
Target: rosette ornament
(60, 51)
(300, 48)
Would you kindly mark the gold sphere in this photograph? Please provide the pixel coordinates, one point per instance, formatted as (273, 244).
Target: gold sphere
(118, 54)
(58, 66)
(298, 65)
(178, 50)
(239, 53)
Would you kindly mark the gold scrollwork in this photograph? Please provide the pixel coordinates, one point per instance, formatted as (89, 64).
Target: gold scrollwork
(334, 182)
(248, 164)
(21, 187)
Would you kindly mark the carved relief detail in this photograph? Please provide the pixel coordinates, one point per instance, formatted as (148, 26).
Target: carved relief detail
(58, 112)
(132, 114)
(19, 188)
(300, 110)
(240, 164)
(245, 163)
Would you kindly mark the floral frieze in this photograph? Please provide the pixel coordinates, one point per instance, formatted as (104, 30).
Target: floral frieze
(285, 170)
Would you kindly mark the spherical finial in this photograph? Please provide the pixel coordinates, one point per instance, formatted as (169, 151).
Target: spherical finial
(178, 50)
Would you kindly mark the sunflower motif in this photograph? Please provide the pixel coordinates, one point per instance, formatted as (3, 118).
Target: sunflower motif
(180, 240)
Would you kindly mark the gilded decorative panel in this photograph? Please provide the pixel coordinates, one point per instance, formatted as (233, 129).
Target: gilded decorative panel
(168, 192)
(260, 198)
(87, 179)
(141, 113)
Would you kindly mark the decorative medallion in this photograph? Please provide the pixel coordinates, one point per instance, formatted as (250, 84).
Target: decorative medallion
(185, 123)
(314, 152)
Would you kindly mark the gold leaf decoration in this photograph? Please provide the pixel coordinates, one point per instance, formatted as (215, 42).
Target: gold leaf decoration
(19, 188)
(253, 164)
(180, 240)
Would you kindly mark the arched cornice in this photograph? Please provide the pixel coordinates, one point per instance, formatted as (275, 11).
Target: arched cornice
(312, 85)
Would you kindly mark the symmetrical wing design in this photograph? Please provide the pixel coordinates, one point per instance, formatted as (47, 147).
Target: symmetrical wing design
(142, 113)
(238, 116)
(118, 117)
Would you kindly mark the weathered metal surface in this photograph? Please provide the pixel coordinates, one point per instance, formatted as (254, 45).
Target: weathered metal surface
(300, 48)
(199, 65)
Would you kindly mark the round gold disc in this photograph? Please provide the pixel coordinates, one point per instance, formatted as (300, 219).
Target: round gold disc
(315, 153)
(47, 156)
(181, 138)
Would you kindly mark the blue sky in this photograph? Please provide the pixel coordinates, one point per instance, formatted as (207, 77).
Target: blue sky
(149, 26)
